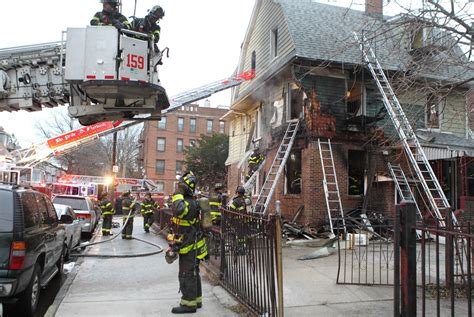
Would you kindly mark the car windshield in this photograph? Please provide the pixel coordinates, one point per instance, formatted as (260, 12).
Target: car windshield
(78, 203)
(6, 211)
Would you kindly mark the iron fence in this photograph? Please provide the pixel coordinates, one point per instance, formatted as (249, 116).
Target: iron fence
(365, 250)
(245, 252)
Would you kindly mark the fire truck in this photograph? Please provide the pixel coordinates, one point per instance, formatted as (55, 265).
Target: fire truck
(101, 73)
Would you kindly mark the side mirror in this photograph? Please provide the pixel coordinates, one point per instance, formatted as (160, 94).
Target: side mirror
(66, 219)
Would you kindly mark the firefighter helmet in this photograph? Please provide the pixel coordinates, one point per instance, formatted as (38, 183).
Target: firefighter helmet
(113, 3)
(190, 180)
(240, 190)
(218, 186)
(156, 12)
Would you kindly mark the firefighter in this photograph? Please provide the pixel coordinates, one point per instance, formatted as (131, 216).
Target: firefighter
(188, 241)
(239, 204)
(128, 204)
(149, 24)
(215, 201)
(110, 16)
(107, 212)
(254, 162)
(148, 208)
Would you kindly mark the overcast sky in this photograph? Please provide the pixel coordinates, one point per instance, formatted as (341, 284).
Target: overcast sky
(204, 37)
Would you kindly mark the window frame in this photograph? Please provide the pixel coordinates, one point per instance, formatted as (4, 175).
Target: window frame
(164, 121)
(157, 145)
(192, 127)
(157, 172)
(207, 126)
(180, 126)
(222, 127)
(274, 43)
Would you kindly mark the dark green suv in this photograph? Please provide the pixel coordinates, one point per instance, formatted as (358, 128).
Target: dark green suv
(32, 245)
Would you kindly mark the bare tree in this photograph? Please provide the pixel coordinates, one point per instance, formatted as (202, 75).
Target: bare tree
(87, 159)
(128, 149)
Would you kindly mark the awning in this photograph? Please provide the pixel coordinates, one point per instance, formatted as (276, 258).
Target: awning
(440, 153)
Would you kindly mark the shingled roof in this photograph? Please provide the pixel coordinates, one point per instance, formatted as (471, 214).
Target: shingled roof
(324, 32)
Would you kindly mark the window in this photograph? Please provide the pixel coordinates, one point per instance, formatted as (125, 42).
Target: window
(221, 127)
(161, 144)
(209, 126)
(253, 65)
(192, 142)
(192, 125)
(179, 167)
(32, 217)
(470, 177)
(356, 161)
(293, 173)
(426, 36)
(51, 211)
(162, 123)
(355, 100)
(180, 124)
(432, 112)
(43, 209)
(179, 145)
(274, 43)
(160, 167)
(160, 186)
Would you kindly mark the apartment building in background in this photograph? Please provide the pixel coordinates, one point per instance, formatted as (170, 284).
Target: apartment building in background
(164, 141)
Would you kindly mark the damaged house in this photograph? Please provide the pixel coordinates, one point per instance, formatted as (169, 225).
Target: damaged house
(308, 66)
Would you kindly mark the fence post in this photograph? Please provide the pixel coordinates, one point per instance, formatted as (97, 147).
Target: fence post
(408, 258)
(396, 265)
(449, 252)
(279, 261)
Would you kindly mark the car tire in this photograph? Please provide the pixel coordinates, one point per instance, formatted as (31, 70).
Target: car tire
(29, 298)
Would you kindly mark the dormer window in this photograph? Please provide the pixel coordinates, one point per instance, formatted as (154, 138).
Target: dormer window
(424, 37)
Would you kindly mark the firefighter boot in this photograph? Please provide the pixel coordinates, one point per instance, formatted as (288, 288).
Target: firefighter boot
(183, 310)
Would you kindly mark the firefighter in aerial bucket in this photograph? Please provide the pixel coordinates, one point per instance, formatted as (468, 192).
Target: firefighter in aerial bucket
(110, 16)
(187, 240)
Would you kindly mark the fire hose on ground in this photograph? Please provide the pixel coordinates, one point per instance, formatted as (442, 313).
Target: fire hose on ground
(133, 255)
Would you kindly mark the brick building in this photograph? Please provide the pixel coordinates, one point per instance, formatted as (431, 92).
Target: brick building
(309, 67)
(164, 141)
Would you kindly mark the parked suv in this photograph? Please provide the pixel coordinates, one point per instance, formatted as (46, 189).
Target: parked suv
(32, 244)
(85, 208)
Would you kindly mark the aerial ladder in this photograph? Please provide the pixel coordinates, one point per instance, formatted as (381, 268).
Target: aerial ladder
(437, 200)
(102, 73)
(66, 142)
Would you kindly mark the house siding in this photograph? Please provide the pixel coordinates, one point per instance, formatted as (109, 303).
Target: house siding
(268, 17)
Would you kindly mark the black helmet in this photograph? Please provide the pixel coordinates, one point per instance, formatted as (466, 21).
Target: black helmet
(240, 190)
(113, 3)
(190, 180)
(156, 12)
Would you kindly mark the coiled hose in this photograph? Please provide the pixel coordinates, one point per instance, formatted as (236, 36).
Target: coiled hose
(133, 255)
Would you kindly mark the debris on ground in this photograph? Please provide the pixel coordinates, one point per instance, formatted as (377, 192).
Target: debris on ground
(318, 253)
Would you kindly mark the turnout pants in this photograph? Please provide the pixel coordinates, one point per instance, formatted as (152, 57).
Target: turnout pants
(107, 224)
(189, 279)
(128, 229)
(148, 220)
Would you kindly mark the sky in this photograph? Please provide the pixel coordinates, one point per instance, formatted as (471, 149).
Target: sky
(204, 38)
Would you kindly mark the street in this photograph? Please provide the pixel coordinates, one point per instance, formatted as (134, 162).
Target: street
(136, 286)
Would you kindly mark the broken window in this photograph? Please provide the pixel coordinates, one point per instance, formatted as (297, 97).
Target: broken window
(274, 43)
(432, 112)
(470, 177)
(295, 106)
(277, 117)
(293, 173)
(355, 100)
(356, 162)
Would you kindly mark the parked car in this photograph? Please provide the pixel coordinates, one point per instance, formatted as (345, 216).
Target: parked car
(73, 230)
(32, 245)
(85, 208)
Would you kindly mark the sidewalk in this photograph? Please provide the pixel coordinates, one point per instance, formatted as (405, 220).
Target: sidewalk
(141, 286)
